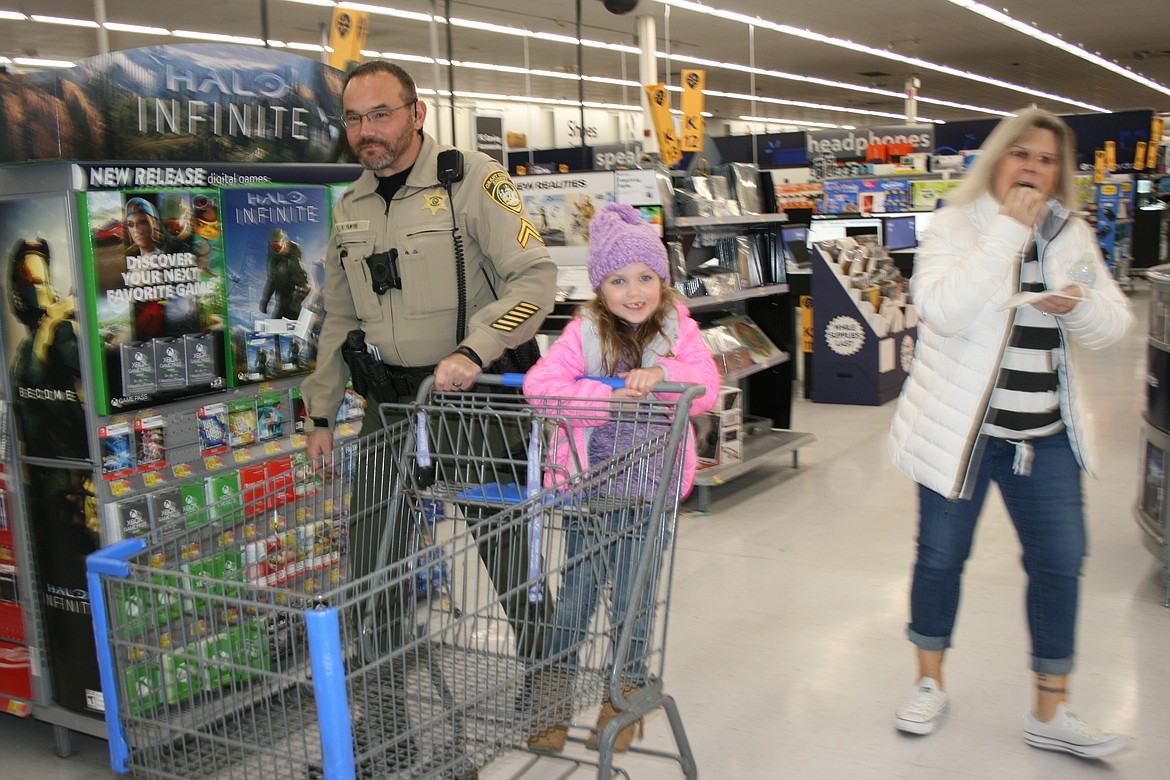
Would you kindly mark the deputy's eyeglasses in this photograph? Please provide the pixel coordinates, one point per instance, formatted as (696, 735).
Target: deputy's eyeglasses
(379, 116)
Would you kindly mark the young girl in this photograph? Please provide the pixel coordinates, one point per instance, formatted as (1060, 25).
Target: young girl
(635, 330)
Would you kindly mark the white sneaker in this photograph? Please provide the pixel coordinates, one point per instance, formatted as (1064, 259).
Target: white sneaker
(921, 712)
(1069, 733)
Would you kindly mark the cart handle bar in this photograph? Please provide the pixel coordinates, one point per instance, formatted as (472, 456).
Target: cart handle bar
(690, 391)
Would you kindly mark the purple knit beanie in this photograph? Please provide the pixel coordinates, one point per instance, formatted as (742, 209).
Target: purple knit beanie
(618, 236)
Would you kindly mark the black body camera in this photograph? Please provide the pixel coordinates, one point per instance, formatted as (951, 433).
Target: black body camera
(449, 166)
(384, 271)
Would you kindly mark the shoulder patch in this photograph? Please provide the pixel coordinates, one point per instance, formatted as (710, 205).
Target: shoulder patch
(515, 316)
(499, 187)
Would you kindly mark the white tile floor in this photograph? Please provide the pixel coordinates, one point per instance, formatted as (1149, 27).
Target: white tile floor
(787, 653)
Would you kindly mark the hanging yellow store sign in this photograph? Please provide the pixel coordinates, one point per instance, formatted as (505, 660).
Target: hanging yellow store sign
(693, 82)
(668, 146)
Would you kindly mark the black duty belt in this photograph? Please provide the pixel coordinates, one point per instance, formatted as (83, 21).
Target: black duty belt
(406, 380)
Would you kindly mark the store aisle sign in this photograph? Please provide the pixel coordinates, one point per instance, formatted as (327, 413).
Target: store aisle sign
(693, 82)
(668, 143)
(347, 36)
(1156, 125)
(209, 102)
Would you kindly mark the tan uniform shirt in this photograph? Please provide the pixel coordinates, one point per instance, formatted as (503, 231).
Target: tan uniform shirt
(416, 326)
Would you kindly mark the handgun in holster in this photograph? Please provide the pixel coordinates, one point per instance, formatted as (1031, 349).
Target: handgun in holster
(372, 379)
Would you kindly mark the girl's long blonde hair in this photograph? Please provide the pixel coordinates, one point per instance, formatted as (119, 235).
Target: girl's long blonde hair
(622, 343)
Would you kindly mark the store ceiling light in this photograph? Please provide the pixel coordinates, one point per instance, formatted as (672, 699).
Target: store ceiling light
(1059, 43)
(64, 20)
(34, 62)
(206, 36)
(964, 106)
(796, 123)
(15, 16)
(384, 11)
(853, 46)
(136, 28)
(778, 74)
(496, 28)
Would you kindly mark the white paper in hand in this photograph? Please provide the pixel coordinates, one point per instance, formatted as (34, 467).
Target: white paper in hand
(1024, 298)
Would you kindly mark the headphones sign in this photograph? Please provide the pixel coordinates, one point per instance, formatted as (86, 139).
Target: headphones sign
(489, 137)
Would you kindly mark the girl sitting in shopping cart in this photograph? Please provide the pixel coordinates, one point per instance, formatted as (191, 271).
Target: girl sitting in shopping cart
(633, 330)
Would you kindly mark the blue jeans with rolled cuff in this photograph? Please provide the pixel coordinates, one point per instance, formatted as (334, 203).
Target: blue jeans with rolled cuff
(1048, 513)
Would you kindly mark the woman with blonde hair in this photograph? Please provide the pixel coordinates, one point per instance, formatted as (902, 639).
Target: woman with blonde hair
(1006, 278)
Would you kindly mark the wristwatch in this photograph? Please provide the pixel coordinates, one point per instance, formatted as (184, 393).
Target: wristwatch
(320, 423)
(469, 353)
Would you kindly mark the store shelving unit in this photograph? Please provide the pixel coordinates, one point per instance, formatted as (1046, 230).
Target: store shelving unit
(1151, 510)
(767, 386)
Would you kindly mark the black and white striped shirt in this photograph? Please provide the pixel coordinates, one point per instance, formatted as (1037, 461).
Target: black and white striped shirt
(1025, 403)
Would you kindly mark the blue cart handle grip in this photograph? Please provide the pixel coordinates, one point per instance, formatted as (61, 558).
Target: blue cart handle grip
(612, 381)
(517, 380)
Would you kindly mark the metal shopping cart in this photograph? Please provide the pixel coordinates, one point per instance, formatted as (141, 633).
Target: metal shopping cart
(387, 611)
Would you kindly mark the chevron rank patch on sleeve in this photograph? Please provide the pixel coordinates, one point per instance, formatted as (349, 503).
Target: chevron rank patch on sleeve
(527, 231)
(516, 316)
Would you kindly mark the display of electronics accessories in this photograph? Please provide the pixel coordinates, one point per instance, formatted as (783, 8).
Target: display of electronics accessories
(748, 261)
(242, 422)
(665, 184)
(729, 352)
(138, 371)
(692, 204)
(739, 253)
(767, 192)
(133, 517)
(202, 366)
(702, 187)
(166, 511)
(298, 410)
(748, 333)
(716, 189)
(771, 254)
(270, 416)
(718, 281)
(170, 362)
(353, 406)
(691, 288)
(747, 187)
(213, 429)
(678, 260)
(150, 442)
(117, 450)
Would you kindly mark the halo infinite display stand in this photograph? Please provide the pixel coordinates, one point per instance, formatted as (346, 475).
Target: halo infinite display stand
(68, 498)
(113, 348)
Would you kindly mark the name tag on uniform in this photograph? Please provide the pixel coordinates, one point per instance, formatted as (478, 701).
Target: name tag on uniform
(352, 227)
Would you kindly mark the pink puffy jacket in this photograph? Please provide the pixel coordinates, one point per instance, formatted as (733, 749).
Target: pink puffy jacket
(555, 375)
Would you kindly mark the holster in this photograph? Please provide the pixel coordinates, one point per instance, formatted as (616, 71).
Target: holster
(374, 380)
